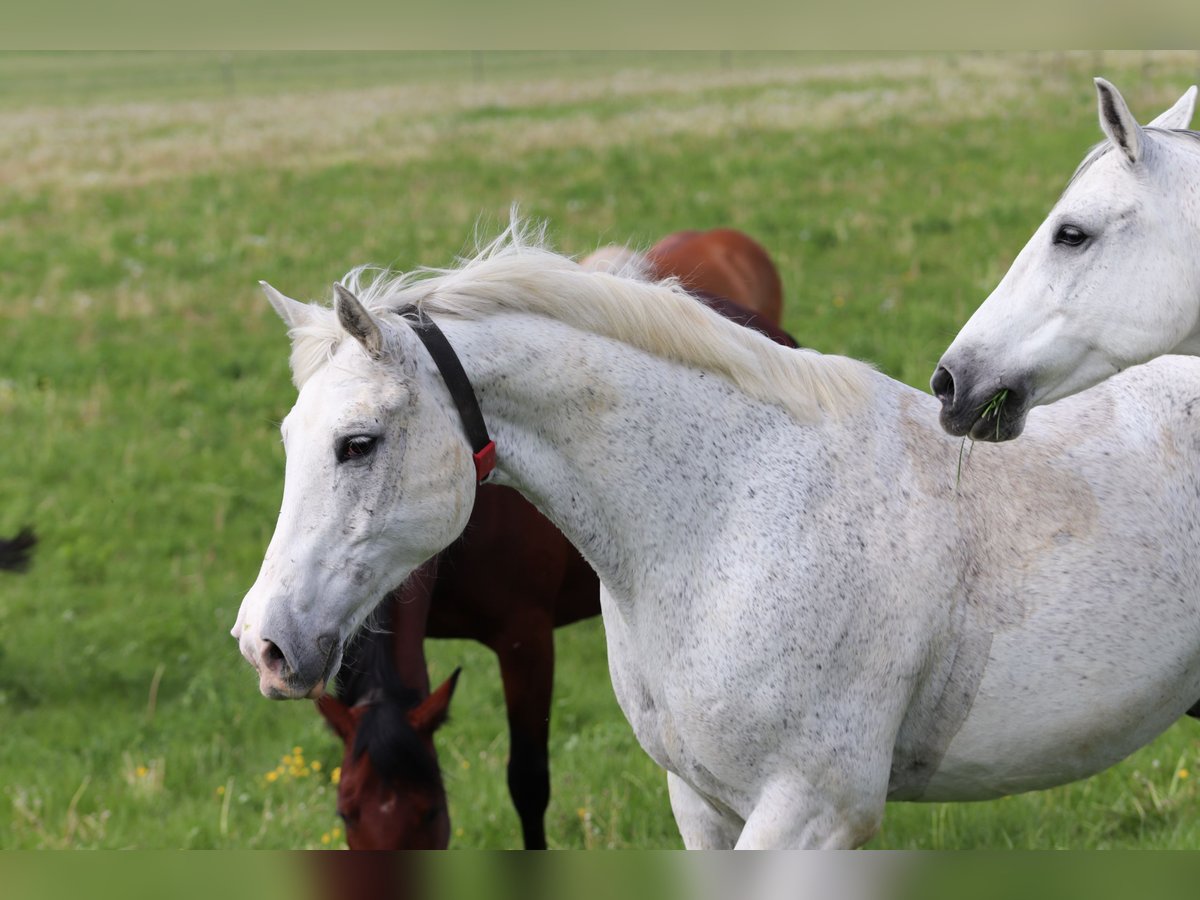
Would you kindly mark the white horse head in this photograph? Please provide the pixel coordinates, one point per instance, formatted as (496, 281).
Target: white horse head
(1110, 279)
(364, 433)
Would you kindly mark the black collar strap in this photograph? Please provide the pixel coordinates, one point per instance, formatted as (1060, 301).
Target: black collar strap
(460, 388)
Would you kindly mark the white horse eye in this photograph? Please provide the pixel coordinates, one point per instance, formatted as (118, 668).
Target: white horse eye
(355, 447)
(1070, 235)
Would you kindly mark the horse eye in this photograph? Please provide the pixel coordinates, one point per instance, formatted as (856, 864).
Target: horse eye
(355, 447)
(1070, 235)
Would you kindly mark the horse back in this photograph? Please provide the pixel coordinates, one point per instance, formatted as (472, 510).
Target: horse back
(721, 262)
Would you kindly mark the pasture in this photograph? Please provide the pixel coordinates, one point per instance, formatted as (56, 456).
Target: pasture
(143, 376)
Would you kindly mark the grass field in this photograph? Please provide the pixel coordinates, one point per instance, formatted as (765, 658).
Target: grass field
(142, 377)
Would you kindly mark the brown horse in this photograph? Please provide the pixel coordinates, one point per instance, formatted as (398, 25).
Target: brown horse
(508, 582)
(721, 262)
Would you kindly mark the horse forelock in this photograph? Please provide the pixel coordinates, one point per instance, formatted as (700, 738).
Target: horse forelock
(518, 273)
(397, 752)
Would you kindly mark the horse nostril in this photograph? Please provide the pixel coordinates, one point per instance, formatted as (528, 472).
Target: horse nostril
(272, 657)
(942, 384)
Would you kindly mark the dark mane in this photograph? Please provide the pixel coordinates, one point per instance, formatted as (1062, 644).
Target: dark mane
(368, 678)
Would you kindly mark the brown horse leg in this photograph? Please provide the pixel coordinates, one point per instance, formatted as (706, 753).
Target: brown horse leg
(527, 668)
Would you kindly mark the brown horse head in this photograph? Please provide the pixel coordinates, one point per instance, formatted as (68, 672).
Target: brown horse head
(390, 793)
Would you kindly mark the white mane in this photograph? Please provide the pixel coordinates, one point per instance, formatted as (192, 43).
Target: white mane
(518, 273)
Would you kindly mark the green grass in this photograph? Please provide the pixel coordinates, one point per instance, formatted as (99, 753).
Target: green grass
(142, 378)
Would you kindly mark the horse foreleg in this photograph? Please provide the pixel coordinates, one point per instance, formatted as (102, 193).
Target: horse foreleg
(701, 825)
(527, 668)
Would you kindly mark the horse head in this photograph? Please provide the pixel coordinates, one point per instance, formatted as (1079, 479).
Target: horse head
(378, 479)
(390, 792)
(1108, 281)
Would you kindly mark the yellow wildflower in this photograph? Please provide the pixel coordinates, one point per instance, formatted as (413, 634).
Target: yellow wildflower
(315, 765)
(271, 776)
(142, 771)
(325, 838)
(336, 775)
(1182, 773)
(220, 790)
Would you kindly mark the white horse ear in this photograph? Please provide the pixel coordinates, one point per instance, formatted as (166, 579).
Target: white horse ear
(293, 312)
(1179, 116)
(359, 323)
(1118, 122)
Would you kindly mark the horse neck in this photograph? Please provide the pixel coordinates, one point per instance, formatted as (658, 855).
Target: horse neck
(1181, 162)
(621, 450)
(410, 605)
(1183, 168)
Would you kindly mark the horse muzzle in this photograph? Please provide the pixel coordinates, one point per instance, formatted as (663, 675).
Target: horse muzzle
(983, 411)
(289, 669)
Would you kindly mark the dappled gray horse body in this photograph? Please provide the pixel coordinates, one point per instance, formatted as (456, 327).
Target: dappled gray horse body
(839, 617)
(974, 630)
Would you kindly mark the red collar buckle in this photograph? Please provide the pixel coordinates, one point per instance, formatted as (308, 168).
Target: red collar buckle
(485, 461)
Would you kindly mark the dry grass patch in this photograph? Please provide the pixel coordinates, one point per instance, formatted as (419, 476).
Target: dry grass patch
(136, 143)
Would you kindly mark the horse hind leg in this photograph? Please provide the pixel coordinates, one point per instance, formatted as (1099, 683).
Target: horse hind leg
(527, 668)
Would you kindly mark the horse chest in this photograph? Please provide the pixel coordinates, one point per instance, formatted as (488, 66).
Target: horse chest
(647, 679)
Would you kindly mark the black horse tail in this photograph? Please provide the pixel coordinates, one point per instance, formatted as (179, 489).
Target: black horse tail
(14, 552)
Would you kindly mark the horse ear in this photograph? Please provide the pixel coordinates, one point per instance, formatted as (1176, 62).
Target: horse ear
(431, 713)
(359, 323)
(1179, 116)
(1118, 122)
(293, 312)
(338, 715)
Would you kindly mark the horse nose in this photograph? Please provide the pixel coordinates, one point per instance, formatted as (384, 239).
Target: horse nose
(271, 659)
(294, 669)
(942, 385)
